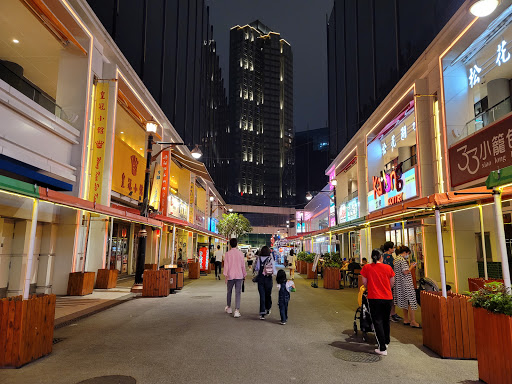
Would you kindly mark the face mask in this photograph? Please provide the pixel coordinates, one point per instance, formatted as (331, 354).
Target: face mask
(406, 256)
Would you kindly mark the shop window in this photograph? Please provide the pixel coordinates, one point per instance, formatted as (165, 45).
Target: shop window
(479, 250)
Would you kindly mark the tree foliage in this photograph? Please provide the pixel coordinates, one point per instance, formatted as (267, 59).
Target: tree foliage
(234, 225)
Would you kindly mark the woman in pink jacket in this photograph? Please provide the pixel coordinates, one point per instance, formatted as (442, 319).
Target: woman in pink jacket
(234, 271)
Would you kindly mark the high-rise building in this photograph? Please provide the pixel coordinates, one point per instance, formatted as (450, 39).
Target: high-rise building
(169, 44)
(261, 117)
(371, 44)
(311, 161)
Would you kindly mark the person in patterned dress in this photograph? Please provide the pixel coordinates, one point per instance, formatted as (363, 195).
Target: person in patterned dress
(404, 294)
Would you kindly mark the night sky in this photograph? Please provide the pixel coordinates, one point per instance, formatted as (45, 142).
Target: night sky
(303, 24)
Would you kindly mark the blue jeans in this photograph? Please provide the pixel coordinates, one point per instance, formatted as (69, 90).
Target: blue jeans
(284, 298)
(265, 290)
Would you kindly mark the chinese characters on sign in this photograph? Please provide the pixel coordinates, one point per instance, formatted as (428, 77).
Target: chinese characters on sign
(166, 157)
(156, 187)
(488, 150)
(128, 171)
(192, 199)
(502, 56)
(99, 135)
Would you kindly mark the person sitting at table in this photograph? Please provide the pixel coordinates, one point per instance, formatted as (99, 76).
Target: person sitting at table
(364, 261)
(351, 267)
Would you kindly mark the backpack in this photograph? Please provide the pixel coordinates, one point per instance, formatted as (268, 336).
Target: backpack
(268, 269)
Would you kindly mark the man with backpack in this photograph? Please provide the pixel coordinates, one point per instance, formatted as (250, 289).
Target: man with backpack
(265, 267)
(234, 271)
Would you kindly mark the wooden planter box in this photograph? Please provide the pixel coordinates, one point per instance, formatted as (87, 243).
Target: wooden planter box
(448, 326)
(493, 334)
(332, 278)
(151, 267)
(476, 284)
(107, 278)
(310, 273)
(26, 329)
(156, 283)
(303, 267)
(193, 270)
(80, 283)
(179, 280)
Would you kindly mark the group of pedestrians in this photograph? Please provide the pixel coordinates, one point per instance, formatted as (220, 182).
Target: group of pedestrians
(264, 269)
(389, 283)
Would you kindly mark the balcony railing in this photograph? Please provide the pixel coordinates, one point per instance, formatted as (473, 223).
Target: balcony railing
(483, 119)
(30, 90)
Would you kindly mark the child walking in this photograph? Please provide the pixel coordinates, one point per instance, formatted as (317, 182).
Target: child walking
(285, 286)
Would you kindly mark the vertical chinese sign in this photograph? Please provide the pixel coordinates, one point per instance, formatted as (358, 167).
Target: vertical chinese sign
(192, 199)
(99, 135)
(166, 157)
(156, 187)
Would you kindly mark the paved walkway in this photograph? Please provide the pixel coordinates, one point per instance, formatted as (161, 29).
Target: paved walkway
(187, 338)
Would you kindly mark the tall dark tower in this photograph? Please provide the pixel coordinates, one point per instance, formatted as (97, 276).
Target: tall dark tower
(261, 117)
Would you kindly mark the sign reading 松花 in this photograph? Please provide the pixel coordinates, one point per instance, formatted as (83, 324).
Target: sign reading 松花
(487, 150)
(502, 56)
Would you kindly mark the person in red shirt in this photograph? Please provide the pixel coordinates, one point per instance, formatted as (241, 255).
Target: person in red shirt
(379, 279)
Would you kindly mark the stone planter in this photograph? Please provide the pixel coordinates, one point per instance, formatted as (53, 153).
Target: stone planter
(107, 278)
(448, 327)
(332, 278)
(26, 329)
(493, 335)
(80, 283)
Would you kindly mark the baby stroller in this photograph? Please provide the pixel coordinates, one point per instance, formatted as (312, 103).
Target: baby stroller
(425, 284)
(363, 314)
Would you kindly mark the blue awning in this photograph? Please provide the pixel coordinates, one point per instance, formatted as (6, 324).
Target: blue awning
(27, 173)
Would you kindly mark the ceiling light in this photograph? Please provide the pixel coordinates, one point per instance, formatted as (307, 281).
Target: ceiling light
(122, 132)
(15, 41)
(309, 196)
(482, 8)
(141, 149)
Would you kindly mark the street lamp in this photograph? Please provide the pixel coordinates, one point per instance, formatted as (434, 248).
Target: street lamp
(309, 196)
(230, 209)
(196, 152)
(482, 8)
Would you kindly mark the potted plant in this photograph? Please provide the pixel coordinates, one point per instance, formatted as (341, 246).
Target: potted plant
(301, 264)
(332, 265)
(492, 309)
(310, 258)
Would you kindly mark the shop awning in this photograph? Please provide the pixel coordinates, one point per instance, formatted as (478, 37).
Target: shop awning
(188, 226)
(192, 165)
(60, 198)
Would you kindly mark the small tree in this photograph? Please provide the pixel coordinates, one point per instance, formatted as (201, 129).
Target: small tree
(234, 225)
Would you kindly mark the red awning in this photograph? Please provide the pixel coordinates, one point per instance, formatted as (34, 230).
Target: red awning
(86, 205)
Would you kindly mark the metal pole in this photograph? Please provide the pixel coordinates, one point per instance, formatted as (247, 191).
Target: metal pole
(159, 247)
(440, 251)
(172, 244)
(336, 246)
(141, 251)
(484, 251)
(500, 232)
(30, 260)
(86, 242)
(110, 244)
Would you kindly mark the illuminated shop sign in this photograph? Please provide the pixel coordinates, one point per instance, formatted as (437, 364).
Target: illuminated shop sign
(332, 213)
(348, 211)
(476, 72)
(177, 207)
(392, 188)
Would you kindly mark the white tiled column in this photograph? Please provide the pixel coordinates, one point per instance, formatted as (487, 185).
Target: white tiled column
(46, 258)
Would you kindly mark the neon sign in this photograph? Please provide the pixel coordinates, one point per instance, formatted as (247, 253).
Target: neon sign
(392, 189)
(502, 57)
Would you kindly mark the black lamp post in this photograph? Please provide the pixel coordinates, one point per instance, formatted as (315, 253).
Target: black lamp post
(151, 128)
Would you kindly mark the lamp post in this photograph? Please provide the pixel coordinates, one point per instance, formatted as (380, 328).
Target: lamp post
(334, 183)
(151, 128)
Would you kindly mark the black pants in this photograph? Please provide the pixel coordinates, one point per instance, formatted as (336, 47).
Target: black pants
(265, 290)
(218, 267)
(380, 310)
(284, 298)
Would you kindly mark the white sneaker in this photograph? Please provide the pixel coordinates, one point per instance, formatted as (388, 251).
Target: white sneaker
(382, 353)
(237, 313)
(262, 317)
(228, 310)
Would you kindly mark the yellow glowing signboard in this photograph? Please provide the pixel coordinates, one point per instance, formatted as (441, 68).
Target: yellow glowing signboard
(128, 171)
(98, 142)
(192, 198)
(156, 187)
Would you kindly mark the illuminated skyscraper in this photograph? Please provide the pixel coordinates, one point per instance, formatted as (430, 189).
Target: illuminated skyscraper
(261, 117)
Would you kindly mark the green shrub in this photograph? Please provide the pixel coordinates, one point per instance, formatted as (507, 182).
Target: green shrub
(494, 297)
(333, 260)
(310, 257)
(301, 256)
